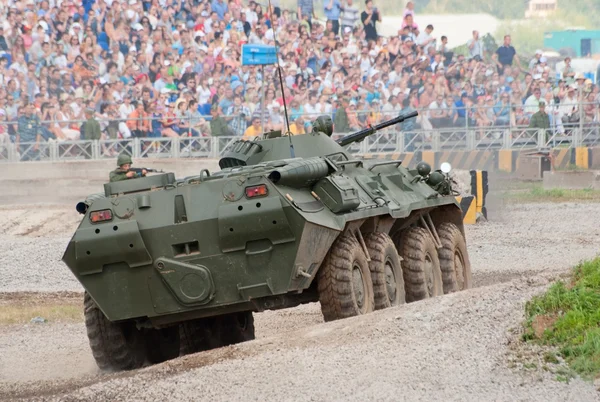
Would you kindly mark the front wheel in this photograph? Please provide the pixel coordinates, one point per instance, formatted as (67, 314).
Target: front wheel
(420, 264)
(454, 259)
(386, 272)
(115, 346)
(344, 281)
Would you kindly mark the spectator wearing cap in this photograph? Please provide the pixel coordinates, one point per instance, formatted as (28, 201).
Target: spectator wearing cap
(369, 18)
(535, 60)
(333, 10)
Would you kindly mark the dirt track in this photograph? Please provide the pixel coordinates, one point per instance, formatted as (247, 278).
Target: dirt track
(453, 348)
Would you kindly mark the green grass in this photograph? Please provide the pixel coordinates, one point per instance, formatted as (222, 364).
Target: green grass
(537, 193)
(567, 317)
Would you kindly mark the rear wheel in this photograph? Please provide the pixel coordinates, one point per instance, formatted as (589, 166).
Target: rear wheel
(162, 344)
(344, 283)
(386, 271)
(420, 263)
(115, 346)
(215, 332)
(235, 328)
(454, 260)
(194, 336)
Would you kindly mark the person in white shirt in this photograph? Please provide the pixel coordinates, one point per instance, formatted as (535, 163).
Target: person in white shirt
(425, 39)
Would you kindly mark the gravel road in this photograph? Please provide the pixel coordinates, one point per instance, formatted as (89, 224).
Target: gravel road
(455, 347)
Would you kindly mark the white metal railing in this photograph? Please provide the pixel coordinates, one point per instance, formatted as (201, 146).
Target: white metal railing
(385, 141)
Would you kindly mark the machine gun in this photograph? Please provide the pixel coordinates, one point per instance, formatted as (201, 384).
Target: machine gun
(362, 134)
(138, 171)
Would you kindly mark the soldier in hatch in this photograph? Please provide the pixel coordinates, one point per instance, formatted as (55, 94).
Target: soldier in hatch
(122, 172)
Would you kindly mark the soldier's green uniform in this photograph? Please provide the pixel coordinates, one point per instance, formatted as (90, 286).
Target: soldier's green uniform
(119, 174)
(218, 127)
(91, 130)
(541, 120)
(340, 124)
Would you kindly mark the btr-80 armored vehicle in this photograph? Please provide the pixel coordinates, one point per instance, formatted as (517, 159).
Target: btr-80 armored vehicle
(172, 267)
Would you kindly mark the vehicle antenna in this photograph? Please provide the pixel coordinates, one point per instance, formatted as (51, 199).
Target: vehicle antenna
(287, 121)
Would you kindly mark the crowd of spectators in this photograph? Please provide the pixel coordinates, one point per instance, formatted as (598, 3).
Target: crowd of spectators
(166, 68)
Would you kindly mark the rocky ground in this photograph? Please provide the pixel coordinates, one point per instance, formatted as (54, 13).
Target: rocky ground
(455, 347)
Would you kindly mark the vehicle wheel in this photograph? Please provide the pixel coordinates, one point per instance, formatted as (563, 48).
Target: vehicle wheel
(454, 259)
(386, 271)
(235, 328)
(345, 285)
(194, 336)
(420, 264)
(116, 346)
(162, 344)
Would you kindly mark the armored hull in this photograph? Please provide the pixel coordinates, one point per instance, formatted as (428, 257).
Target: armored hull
(182, 264)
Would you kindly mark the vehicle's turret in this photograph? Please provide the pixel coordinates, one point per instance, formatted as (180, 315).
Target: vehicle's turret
(275, 146)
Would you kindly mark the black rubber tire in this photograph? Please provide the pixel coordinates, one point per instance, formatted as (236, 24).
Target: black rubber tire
(215, 332)
(115, 346)
(388, 284)
(162, 344)
(235, 328)
(454, 259)
(420, 264)
(336, 288)
(194, 336)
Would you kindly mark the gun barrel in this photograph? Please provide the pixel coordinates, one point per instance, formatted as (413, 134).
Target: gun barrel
(360, 135)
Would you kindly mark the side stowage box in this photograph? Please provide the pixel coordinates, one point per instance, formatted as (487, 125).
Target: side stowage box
(337, 193)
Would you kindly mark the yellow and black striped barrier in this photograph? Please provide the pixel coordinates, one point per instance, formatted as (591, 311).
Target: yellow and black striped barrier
(468, 206)
(479, 188)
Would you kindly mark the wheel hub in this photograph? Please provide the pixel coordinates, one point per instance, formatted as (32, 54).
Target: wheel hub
(429, 274)
(358, 286)
(390, 281)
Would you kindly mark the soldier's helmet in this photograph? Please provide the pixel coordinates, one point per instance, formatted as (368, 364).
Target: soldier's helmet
(123, 159)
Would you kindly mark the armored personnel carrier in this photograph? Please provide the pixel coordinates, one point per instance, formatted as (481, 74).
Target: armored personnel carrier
(172, 267)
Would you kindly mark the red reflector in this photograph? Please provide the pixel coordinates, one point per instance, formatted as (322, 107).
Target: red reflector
(256, 191)
(101, 216)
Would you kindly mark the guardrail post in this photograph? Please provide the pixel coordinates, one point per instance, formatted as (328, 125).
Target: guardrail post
(53, 151)
(471, 140)
(577, 137)
(12, 152)
(136, 148)
(174, 147)
(215, 150)
(506, 138)
(435, 140)
(541, 138)
(399, 141)
(96, 150)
